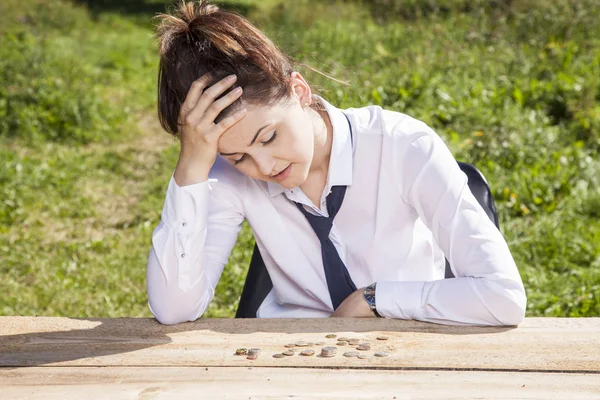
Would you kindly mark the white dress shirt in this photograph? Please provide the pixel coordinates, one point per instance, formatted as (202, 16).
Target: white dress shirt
(407, 206)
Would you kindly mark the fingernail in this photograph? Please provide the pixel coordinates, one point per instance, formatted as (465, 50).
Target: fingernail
(237, 90)
(231, 77)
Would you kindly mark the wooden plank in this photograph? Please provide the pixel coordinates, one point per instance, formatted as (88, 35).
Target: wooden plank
(538, 344)
(260, 383)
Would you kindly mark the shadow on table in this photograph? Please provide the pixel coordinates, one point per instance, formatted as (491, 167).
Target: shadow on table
(123, 335)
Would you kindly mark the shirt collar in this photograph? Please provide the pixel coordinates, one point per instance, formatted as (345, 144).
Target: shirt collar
(340, 161)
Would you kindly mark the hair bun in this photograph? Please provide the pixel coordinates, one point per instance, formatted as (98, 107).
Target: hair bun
(183, 21)
(189, 11)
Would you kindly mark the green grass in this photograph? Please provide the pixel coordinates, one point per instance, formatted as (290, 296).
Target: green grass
(84, 165)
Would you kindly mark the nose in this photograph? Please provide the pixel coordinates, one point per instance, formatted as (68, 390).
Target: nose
(265, 163)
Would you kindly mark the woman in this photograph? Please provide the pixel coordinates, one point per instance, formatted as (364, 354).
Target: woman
(339, 201)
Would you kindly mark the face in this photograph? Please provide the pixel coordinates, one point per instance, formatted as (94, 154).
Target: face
(272, 143)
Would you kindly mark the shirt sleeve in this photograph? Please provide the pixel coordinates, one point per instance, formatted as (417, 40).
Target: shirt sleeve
(488, 289)
(190, 247)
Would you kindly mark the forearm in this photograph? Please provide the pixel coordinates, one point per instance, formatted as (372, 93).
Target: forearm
(458, 301)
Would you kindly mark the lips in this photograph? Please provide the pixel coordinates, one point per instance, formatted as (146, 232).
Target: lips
(283, 174)
(279, 173)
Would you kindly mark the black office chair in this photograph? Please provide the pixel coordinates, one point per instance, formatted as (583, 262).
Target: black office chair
(258, 282)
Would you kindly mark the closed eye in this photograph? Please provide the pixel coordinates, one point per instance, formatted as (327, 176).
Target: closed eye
(271, 139)
(239, 160)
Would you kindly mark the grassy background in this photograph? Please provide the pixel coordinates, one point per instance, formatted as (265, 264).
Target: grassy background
(512, 86)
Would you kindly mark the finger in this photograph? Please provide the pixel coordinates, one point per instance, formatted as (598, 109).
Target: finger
(228, 122)
(218, 106)
(210, 94)
(194, 93)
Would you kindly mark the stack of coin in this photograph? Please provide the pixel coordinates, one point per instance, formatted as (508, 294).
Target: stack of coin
(328, 351)
(253, 354)
(253, 351)
(364, 346)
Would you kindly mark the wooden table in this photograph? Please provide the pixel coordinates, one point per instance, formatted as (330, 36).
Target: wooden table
(127, 358)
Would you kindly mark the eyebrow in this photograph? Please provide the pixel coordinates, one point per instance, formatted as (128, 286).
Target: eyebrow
(251, 143)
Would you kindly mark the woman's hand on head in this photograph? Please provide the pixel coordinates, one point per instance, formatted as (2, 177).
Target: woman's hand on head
(198, 133)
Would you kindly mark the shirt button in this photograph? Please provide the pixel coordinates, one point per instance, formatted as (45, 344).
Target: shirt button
(184, 224)
(183, 255)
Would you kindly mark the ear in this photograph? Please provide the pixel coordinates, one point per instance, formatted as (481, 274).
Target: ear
(300, 89)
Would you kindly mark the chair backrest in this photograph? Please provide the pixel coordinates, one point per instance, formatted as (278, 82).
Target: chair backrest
(258, 282)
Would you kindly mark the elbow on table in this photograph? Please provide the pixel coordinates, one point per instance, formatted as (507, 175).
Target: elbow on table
(511, 314)
(508, 302)
(168, 316)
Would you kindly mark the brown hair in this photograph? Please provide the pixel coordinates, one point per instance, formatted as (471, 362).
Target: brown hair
(200, 38)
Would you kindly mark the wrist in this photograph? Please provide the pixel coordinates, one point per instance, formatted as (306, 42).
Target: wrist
(369, 295)
(188, 172)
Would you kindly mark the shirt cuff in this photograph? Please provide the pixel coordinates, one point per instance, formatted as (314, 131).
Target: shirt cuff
(397, 299)
(186, 207)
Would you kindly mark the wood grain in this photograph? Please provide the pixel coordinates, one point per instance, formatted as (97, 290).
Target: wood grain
(538, 344)
(126, 383)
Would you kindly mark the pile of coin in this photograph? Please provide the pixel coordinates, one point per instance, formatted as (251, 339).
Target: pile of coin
(241, 351)
(328, 351)
(253, 354)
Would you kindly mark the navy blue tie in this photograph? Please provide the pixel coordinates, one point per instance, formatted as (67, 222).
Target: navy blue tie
(339, 281)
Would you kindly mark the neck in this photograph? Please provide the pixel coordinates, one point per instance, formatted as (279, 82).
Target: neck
(323, 142)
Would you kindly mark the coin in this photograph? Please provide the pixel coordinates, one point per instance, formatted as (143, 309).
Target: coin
(278, 355)
(363, 356)
(301, 344)
(331, 336)
(307, 352)
(343, 339)
(382, 354)
(288, 353)
(253, 351)
(353, 342)
(320, 343)
(382, 338)
(310, 344)
(341, 343)
(351, 354)
(290, 345)
(252, 357)
(241, 352)
(363, 346)
(328, 351)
